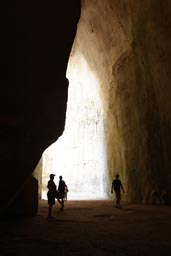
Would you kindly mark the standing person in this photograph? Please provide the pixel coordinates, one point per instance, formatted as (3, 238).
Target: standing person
(51, 194)
(62, 187)
(117, 186)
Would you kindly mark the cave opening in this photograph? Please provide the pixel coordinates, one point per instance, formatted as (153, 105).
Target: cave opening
(92, 148)
(79, 155)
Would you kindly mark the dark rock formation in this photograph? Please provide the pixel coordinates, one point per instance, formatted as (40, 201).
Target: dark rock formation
(36, 40)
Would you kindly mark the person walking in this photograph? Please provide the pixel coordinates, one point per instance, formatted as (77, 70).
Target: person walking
(62, 188)
(117, 186)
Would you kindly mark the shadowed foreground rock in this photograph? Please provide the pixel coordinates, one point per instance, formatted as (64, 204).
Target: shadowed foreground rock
(36, 40)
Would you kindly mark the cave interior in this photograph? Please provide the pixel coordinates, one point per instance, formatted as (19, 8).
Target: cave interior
(127, 47)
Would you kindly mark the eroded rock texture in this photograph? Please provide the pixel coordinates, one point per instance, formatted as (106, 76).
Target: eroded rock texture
(36, 39)
(128, 45)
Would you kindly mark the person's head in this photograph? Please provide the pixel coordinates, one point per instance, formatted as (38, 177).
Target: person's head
(60, 177)
(117, 176)
(52, 176)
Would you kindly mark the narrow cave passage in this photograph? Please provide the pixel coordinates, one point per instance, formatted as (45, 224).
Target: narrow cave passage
(79, 155)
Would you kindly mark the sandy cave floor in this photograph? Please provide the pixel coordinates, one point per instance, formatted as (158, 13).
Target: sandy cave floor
(90, 228)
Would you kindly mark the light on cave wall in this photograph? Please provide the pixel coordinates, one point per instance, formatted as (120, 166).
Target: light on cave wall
(79, 155)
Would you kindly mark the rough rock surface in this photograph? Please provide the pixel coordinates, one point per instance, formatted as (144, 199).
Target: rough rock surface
(36, 40)
(128, 46)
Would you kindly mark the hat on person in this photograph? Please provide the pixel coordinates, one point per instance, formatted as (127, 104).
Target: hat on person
(52, 175)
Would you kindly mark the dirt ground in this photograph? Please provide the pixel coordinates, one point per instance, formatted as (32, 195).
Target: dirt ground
(90, 228)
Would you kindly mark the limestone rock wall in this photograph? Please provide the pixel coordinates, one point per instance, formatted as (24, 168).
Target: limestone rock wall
(128, 45)
(36, 40)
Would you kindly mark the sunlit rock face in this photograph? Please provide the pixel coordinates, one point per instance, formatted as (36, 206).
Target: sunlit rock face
(128, 45)
(79, 155)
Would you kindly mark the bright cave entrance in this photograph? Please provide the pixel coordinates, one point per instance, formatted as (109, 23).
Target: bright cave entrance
(79, 155)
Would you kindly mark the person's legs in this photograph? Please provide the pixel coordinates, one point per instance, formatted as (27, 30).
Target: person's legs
(118, 199)
(60, 198)
(51, 201)
(61, 202)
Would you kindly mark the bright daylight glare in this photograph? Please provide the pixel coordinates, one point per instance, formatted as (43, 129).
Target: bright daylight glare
(79, 155)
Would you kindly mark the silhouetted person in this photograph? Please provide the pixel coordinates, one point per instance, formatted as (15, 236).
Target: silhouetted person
(51, 194)
(62, 187)
(117, 186)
